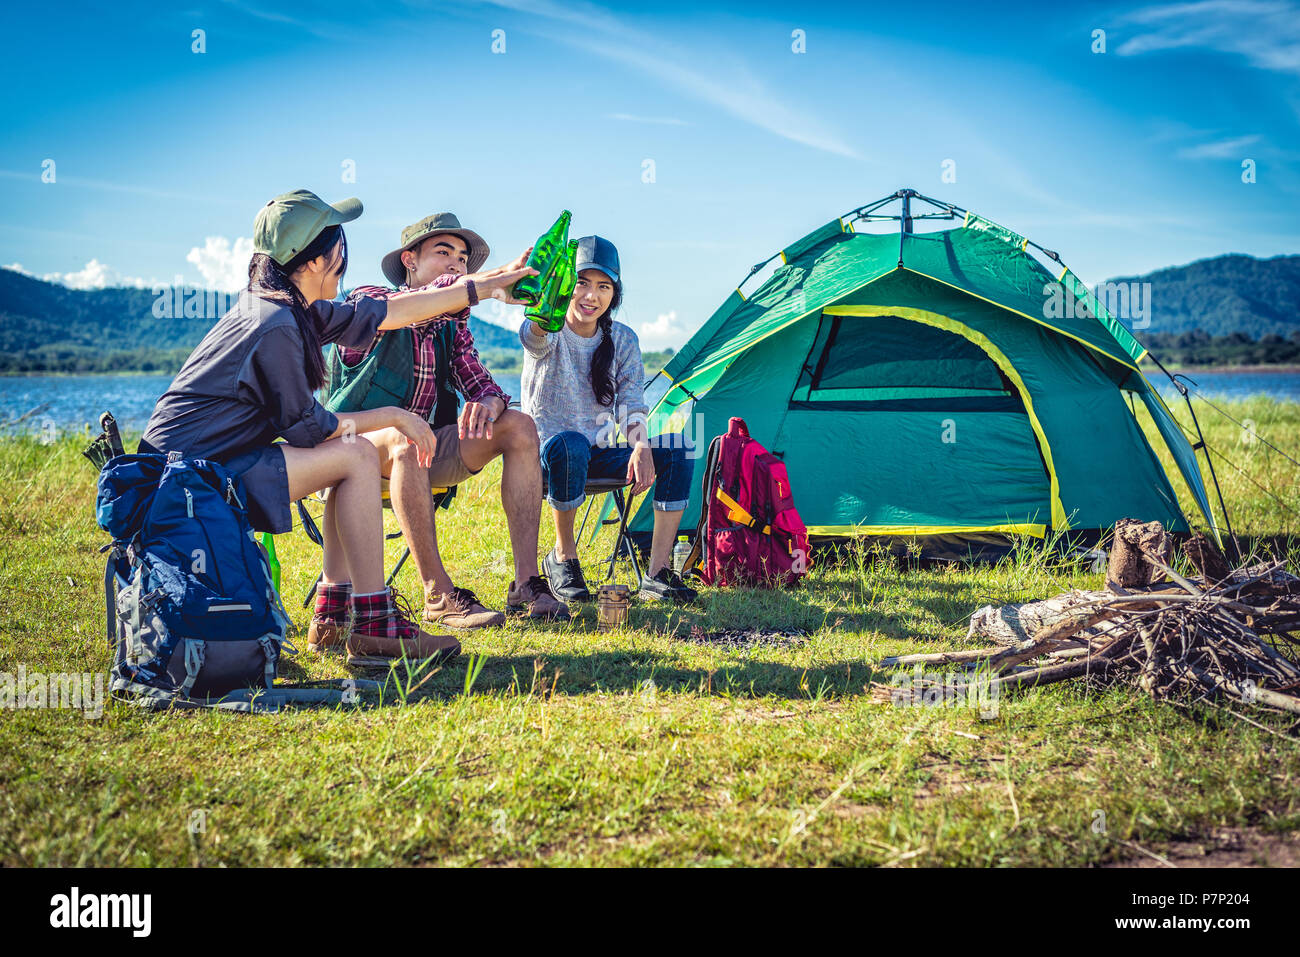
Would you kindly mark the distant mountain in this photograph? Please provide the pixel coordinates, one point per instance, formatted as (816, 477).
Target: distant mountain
(1225, 295)
(46, 326)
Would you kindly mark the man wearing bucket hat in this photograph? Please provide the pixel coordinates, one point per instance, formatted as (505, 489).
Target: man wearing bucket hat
(430, 364)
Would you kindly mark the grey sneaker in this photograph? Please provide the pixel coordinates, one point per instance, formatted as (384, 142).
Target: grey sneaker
(667, 584)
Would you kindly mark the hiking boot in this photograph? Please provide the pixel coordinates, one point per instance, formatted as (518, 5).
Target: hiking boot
(460, 608)
(535, 600)
(385, 632)
(566, 581)
(326, 636)
(329, 622)
(667, 584)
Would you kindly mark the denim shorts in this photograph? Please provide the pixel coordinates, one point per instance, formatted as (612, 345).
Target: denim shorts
(569, 460)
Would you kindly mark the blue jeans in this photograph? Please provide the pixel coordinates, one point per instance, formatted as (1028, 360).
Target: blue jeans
(569, 460)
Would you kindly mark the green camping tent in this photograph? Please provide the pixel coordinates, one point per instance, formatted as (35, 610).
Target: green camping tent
(930, 384)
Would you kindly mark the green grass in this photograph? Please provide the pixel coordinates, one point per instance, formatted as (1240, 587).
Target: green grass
(574, 746)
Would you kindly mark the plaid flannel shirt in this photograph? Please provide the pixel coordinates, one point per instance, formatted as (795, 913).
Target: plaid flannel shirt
(470, 377)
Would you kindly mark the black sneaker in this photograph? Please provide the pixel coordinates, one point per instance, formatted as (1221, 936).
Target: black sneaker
(667, 584)
(567, 583)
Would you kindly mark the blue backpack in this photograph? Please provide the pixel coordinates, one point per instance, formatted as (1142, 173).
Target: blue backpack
(191, 613)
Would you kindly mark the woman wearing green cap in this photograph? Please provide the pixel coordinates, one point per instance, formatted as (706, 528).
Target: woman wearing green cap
(252, 378)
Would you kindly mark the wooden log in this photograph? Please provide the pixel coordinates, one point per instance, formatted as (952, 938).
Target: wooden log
(1205, 556)
(1051, 635)
(1270, 699)
(940, 657)
(1054, 673)
(1129, 567)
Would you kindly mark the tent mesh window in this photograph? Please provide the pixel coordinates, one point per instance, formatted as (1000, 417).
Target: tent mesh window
(886, 363)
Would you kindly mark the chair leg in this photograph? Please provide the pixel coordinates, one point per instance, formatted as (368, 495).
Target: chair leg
(309, 525)
(591, 500)
(406, 553)
(613, 555)
(625, 541)
(313, 532)
(311, 592)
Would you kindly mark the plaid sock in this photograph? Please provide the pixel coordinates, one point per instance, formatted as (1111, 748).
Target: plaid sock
(379, 616)
(332, 599)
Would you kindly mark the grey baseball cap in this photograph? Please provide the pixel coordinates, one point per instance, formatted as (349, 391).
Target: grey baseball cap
(597, 253)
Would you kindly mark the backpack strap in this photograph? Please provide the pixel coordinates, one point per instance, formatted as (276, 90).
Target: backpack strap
(446, 408)
(195, 652)
(699, 556)
(110, 596)
(134, 597)
(737, 513)
(272, 655)
(247, 700)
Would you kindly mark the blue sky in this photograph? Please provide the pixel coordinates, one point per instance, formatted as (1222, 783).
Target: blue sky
(1123, 161)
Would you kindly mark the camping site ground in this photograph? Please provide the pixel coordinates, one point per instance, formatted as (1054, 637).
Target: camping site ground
(560, 744)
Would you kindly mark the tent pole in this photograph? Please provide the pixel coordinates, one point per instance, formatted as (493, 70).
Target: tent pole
(1200, 444)
(905, 220)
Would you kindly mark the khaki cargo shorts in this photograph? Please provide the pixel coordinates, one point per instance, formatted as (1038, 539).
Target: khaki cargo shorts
(448, 467)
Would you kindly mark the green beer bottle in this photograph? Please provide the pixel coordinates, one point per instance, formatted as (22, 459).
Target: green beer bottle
(564, 283)
(557, 289)
(549, 246)
(268, 543)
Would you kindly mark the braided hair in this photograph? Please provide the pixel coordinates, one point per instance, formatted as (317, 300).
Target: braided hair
(267, 279)
(602, 380)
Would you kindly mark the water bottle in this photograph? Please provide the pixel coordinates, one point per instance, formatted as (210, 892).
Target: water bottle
(681, 552)
(272, 560)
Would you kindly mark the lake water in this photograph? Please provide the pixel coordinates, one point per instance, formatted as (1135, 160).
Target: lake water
(73, 402)
(1282, 383)
(76, 401)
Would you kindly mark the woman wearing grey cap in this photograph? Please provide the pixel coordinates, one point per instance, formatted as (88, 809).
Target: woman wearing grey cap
(251, 380)
(583, 387)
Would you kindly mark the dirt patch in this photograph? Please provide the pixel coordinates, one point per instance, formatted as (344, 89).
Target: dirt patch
(1224, 847)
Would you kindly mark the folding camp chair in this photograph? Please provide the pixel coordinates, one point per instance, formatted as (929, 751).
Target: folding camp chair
(623, 544)
(314, 533)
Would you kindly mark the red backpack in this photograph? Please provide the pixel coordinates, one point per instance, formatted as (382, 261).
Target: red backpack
(749, 531)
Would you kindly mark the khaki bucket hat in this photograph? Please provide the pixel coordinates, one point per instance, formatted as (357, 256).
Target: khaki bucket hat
(431, 226)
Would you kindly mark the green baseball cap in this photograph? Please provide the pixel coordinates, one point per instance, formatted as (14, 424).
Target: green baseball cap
(432, 226)
(287, 224)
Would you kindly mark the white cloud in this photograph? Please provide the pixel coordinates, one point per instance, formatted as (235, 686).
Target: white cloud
(1265, 32)
(665, 330)
(95, 275)
(500, 314)
(1220, 149)
(224, 265)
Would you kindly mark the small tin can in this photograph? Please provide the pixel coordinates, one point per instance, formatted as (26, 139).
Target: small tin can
(612, 602)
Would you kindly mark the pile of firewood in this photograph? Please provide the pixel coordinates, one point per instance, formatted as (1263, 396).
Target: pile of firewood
(1223, 635)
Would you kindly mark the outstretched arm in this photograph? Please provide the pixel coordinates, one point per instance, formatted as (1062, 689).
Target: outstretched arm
(406, 308)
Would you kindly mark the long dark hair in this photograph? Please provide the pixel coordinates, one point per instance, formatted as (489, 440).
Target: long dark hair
(602, 381)
(269, 280)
